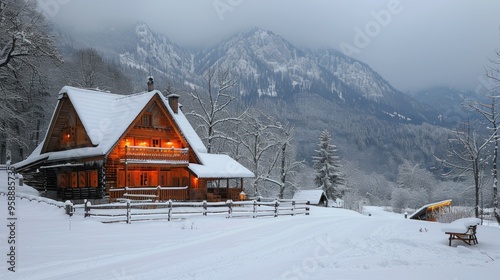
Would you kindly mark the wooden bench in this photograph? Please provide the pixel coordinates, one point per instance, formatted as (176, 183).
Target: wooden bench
(464, 230)
(469, 237)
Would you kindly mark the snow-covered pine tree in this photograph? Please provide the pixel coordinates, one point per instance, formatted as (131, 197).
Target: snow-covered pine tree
(326, 164)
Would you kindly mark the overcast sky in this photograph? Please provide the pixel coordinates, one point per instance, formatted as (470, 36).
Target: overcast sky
(412, 44)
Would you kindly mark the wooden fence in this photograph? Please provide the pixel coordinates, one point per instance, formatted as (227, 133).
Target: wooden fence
(132, 210)
(38, 199)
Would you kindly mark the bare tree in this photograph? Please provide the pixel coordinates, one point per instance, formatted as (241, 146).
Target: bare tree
(261, 142)
(23, 34)
(415, 178)
(89, 64)
(489, 113)
(466, 156)
(86, 68)
(213, 114)
(26, 51)
(493, 73)
(288, 165)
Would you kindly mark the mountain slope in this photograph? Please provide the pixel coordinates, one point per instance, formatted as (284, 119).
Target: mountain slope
(268, 65)
(451, 103)
(372, 123)
(156, 51)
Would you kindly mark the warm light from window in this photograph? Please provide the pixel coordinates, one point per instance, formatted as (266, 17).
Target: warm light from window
(143, 144)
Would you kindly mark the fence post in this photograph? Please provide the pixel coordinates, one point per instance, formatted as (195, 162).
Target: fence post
(204, 207)
(158, 193)
(254, 208)
(230, 206)
(69, 208)
(128, 211)
(276, 204)
(293, 207)
(87, 208)
(169, 209)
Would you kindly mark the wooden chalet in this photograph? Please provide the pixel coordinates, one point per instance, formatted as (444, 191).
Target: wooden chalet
(138, 146)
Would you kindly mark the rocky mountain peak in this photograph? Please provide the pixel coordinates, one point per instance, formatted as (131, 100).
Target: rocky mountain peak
(266, 64)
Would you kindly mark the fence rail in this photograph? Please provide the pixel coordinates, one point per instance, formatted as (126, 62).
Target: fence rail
(133, 210)
(37, 199)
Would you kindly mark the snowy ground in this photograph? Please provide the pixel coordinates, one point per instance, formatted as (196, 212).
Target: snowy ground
(328, 244)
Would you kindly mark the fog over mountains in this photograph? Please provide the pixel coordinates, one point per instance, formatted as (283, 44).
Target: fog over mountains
(370, 120)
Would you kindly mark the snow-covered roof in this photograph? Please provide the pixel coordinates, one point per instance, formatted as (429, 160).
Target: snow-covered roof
(313, 196)
(219, 166)
(430, 207)
(106, 117)
(186, 129)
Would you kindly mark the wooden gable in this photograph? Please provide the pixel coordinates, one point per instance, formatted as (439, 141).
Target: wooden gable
(155, 127)
(66, 130)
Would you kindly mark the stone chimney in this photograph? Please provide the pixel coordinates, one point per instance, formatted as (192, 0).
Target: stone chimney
(151, 83)
(173, 102)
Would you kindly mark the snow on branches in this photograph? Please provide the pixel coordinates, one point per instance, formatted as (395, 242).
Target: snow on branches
(327, 167)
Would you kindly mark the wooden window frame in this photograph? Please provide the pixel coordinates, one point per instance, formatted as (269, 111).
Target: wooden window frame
(147, 120)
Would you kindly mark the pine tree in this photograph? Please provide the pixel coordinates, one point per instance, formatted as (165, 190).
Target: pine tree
(326, 163)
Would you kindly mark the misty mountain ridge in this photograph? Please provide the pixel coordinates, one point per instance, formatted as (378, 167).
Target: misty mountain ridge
(267, 65)
(371, 122)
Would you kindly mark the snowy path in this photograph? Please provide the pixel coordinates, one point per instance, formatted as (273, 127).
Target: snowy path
(328, 243)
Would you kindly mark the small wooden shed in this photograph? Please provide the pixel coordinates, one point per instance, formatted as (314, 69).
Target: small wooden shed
(315, 197)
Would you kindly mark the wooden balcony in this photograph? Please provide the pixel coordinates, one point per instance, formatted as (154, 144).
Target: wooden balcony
(138, 154)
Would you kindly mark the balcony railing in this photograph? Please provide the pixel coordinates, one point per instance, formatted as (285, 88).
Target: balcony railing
(157, 193)
(156, 155)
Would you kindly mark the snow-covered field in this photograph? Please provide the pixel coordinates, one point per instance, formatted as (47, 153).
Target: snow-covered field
(328, 244)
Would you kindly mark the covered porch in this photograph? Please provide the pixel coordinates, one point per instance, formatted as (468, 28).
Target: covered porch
(220, 177)
(224, 189)
(211, 190)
